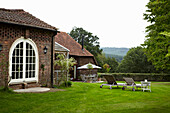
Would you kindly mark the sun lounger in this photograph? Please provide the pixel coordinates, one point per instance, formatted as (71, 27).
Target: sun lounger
(111, 81)
(130, 82)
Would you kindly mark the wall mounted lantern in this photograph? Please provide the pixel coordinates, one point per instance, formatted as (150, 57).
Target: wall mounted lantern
(0, 47)
(45, 50)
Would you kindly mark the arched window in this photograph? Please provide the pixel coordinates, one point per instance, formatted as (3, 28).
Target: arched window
(23, 59)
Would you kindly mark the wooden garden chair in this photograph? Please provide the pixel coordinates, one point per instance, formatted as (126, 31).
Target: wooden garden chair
(130, 82)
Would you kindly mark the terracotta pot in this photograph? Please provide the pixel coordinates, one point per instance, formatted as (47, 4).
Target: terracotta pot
(89, 81)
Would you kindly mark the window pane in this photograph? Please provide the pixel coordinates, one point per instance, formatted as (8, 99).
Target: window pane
(13, 54)
(30, 67)
(17, 67)
(21, 67)
(26, 45)
(26, 59)
(13, 67)
(17, 46)
(21, 76)
(26, 74)
(30, 52)
(33, 73)
(33, 66)
(21, 59)
(26, 67)
(17, 59)
(30, 46)
(33, 59)
(30, 74)
(21, 52)
(21, 45)
(26, 52)
(17, 75)
(13, 75)
(17, 52)
(13, 59)
(33, 53)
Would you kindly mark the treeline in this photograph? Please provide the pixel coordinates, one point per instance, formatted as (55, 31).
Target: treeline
(135, 61)
(117, 57)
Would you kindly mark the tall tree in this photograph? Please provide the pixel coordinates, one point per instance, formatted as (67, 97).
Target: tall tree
(111, 61)
(91, 42)
(158, 42)
(135, 61)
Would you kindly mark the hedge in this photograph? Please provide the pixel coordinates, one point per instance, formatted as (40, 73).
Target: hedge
(139, 76)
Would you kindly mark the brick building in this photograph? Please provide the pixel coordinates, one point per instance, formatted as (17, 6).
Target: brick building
(27, 49)
(82, 56)
(27, 44)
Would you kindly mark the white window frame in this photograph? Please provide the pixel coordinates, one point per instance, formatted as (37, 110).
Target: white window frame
(24, 79)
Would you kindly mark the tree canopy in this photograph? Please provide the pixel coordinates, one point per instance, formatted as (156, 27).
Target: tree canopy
(110, 61)
(157, 44)
(91, 42)
(135, 61)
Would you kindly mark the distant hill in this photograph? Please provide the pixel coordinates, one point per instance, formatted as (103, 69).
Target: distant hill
(117, 53)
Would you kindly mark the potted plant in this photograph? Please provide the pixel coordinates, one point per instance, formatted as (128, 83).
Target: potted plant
(99, 77)
(90, 67)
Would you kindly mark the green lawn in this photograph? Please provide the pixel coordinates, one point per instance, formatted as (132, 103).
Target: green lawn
(89, 98)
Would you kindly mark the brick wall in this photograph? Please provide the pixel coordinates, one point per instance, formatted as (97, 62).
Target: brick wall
(9, 33)
(86, 60)
(86, 71)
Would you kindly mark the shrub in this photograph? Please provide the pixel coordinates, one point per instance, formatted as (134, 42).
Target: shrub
(106, 67)
(66, 84)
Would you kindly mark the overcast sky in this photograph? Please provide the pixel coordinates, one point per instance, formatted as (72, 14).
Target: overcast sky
(117, 23)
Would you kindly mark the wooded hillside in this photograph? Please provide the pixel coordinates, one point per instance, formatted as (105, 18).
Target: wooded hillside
(117, 53)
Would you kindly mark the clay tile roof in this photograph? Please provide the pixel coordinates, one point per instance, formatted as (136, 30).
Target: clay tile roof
(19, 16)
(67, 41)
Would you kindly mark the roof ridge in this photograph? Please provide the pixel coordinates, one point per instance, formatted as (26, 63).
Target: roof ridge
(12, 10)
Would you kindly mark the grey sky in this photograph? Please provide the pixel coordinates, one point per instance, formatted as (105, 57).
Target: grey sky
(118, 23)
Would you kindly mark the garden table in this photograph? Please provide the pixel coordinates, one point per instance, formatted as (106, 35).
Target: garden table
(89, 77)
(145, 85)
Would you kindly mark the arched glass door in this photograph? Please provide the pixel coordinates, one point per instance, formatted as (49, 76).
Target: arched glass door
(17, 62)
(23, 61)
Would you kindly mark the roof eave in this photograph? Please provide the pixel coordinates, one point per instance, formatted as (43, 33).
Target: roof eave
(26, 25)
(62, 47)
(81, 55)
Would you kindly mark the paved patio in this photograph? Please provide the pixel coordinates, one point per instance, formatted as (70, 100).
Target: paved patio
(32, 90)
